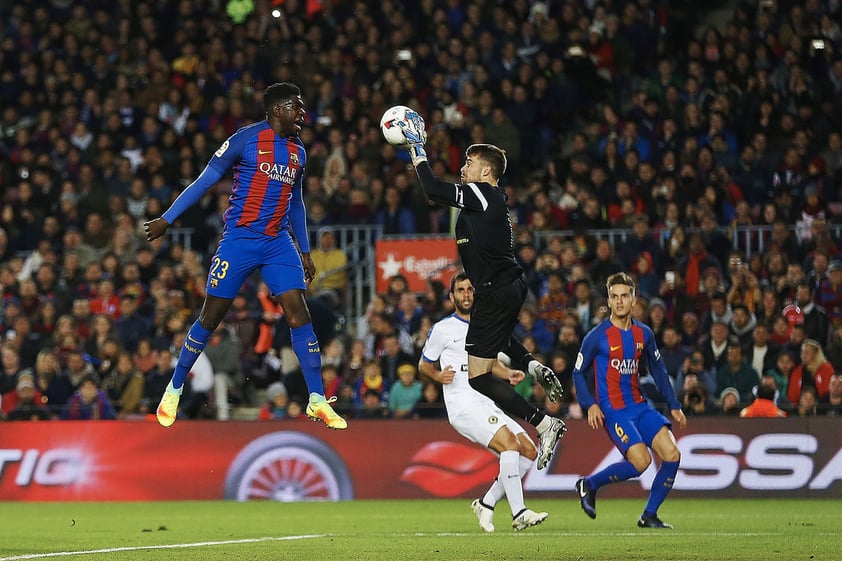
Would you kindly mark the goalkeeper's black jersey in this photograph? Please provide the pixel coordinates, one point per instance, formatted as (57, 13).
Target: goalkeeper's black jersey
(483, 230)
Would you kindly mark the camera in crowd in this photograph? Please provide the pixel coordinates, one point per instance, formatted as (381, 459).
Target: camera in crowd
(695, 395)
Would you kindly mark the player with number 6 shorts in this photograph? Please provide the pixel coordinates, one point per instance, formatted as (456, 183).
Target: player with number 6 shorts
(613, 350)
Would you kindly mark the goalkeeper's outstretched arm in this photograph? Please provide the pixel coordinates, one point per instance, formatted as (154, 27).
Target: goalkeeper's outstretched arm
(452, 194)
(442, 192)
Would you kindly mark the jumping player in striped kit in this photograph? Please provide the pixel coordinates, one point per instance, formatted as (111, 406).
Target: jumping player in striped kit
(613, 350)
(266, 203)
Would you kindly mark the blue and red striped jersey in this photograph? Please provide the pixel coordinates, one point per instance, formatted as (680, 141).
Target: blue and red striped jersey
(268, 173)
(614, 356)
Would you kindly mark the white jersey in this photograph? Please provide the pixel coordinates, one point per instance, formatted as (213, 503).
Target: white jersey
(446, 344)
(472, 414)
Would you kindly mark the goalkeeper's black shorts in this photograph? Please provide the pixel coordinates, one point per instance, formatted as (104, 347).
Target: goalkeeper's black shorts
(494, 316)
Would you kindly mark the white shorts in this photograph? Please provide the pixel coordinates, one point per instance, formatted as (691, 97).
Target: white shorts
(480, 419)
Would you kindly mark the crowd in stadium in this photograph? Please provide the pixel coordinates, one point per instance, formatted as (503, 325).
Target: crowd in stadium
(614, 115)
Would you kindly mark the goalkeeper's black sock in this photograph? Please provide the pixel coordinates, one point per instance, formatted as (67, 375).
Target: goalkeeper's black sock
(518, 354)
(505, 396)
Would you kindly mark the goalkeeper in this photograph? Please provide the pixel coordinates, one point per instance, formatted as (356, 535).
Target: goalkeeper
(486, 248)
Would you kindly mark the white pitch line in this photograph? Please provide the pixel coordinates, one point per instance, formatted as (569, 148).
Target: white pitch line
(640, 533)
(631, 534)
(170, 546)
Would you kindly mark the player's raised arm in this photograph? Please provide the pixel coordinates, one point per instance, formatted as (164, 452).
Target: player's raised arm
(222, 159)
(457, 195)
(192, 193)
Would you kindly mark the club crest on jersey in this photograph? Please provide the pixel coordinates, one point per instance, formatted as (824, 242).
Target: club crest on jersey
(493, 420)
(294, 159)
(638, 346)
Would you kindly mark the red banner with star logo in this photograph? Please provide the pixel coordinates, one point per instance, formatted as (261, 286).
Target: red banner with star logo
(418, 260)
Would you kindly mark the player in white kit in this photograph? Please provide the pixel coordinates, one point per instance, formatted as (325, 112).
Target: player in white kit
(475, 416)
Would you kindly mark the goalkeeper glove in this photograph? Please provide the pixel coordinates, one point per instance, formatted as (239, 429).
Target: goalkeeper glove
(416, 136)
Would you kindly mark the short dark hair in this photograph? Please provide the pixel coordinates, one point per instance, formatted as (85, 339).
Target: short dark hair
(89, 378)
(458, 277)
(765, 392)
(490, 154)
(586, 282)
(277, 93)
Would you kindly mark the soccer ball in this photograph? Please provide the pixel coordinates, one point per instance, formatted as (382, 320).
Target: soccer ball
(392, 123)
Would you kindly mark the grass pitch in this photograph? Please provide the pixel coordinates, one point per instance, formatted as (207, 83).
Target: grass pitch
(422, 530)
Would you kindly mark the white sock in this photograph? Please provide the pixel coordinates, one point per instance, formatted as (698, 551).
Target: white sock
(510, 479)
(524, 464)
(494, 494)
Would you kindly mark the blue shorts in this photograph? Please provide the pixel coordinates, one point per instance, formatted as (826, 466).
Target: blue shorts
(241, 251)
(634, 424)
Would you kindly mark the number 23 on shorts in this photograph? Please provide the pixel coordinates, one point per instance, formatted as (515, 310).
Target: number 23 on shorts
(218, 271)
